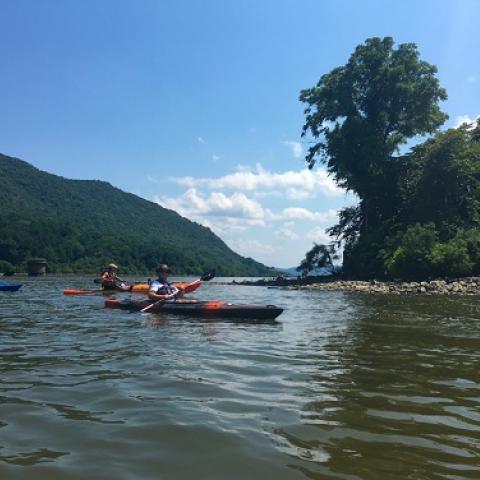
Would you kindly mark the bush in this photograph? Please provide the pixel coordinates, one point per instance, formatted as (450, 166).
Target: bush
(408, 254)
(6, 267)
(452, 259)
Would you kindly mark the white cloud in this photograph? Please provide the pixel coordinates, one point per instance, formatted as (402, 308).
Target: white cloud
(461, 119)
(471, 79)
(299, 213)
(201, 140)
(215, 158)
(318, 235)
(295, 146)
(194, 204)
(295, 185)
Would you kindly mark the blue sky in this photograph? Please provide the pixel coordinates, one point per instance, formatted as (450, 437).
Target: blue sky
(194, 104)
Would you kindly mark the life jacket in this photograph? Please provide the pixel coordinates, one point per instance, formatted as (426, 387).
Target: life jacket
(162, 288)
(110, 281)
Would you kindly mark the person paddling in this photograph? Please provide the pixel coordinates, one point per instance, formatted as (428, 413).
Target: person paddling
(111, 281)
(161, 289)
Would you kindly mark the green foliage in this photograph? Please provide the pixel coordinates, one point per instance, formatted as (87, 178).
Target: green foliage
(408, 254)
(417, 253)
(6, 267)
(81, 226)
(419, 213)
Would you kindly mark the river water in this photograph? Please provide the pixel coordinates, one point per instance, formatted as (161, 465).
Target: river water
(344, 386)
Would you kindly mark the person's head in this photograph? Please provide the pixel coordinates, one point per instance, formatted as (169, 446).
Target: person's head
(163, 271)
(112, 268)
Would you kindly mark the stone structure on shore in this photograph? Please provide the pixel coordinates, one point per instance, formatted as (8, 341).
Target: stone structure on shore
(37, 267)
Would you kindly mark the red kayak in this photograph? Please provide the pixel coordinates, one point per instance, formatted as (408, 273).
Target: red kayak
(200, 309)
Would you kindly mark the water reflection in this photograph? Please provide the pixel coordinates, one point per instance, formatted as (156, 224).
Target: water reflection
(396, 392)
(346, 386)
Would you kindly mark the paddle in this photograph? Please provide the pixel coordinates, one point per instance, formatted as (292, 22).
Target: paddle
(99, 281)
(207, 276)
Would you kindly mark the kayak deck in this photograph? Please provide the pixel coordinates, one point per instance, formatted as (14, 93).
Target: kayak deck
(201, 309)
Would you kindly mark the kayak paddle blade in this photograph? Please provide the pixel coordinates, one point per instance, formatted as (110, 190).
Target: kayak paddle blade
(208, 276)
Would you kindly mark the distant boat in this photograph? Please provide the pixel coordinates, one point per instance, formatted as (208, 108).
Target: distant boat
(6, 287)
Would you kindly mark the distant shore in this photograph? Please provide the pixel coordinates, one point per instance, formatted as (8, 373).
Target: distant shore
(458, 286)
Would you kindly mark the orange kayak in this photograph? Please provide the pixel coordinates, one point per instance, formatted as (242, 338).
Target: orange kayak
(137, 288)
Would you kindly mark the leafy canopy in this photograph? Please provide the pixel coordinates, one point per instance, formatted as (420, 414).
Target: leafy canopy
(418, 213)
(362, 112)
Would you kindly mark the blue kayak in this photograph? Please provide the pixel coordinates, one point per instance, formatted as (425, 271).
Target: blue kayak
(5, 287)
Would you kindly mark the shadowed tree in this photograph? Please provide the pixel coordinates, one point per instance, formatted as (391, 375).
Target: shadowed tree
(361, 113)
(359, 116)
(319, 256)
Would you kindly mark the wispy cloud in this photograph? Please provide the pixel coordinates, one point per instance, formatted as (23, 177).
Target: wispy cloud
(297, 213)
(201, 140)
(471, 79)
(293, 184)
(461, 119)
(152, 179)
(251, 247)
(216, 158)
(286, 233)
(296, 148)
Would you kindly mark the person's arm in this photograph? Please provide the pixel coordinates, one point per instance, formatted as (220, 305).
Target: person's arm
(155, 296)
(152, 292)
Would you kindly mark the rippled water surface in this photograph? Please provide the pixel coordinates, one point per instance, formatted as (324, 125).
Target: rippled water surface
(345, 386)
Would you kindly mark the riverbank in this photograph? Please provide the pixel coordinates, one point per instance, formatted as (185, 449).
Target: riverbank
(459, 286)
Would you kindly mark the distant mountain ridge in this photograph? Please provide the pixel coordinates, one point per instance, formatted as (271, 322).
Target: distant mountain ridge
(80, 225)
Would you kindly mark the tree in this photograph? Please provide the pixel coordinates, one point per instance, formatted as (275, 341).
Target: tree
(446, 188)
(320, 256)
(359, 116)
(361, 113)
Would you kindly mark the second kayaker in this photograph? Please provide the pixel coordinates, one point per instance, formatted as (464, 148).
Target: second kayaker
(161, 289)
(111, 281)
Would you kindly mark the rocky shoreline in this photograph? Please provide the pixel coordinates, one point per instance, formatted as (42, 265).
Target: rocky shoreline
(459, 286)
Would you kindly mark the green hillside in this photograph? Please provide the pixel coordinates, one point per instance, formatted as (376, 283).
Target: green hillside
(80, 225)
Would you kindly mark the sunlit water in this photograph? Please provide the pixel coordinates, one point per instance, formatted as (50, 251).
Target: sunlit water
(344, 386)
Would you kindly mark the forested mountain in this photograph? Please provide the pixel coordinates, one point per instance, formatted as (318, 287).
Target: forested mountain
(81, 225)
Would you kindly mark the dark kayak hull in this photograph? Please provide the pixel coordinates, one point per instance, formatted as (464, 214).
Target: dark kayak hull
(10, 288)
(201, 309)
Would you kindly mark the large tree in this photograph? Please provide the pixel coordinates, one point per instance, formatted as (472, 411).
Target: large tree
(360, 114)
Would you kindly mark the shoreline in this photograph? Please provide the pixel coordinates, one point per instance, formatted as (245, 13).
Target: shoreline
(454, 286)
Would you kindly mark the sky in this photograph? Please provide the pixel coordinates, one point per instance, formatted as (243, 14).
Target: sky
(194, 104)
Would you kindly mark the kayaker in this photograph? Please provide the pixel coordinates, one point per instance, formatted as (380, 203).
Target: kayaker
(161, 289)
(110, 279)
